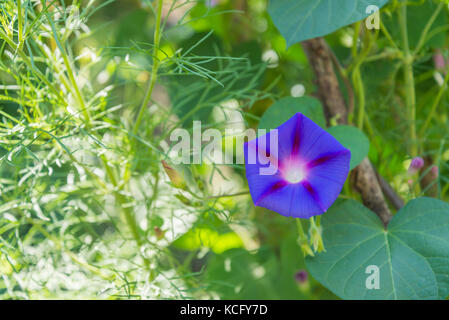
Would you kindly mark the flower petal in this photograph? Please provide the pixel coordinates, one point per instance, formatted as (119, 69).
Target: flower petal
(289, 137)
(304, 204)
(316, 142)
(259, 184)
(328, 178)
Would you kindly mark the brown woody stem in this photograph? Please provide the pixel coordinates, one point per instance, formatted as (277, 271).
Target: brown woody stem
(363, 176)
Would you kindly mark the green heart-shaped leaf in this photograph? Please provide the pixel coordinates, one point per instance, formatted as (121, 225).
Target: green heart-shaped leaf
(285, 108)
(412, 255)
(353, 139)
(299, 20)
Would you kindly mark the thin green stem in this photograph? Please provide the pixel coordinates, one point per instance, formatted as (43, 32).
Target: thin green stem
(313, 224)
(153, 76)
(387, 35)
(445, 189)
(124, 205)
(302, 234)
(410, 95)
(5, 24)
(20, 27)
(355, 39)
(151, 84)
(395, 54)
(318, 221)
(435, 105)
(70, 73)
(357, 76)
(358, 84)
(129, 216)
(72, 256)
(29, 64)
(422, 38)
(229, 195)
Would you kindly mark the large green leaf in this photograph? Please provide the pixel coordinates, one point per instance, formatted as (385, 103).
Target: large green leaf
(287, 107)
(412, 255)
(353, 139)
(298, 20)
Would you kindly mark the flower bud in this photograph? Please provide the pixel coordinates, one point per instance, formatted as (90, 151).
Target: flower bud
(305, 247)
(416, 164)
(212, 3)
(316, 239)
(301, 276)
(302, 280)
(187, 201)
(435, 171)
(175, 177)
(438, 60)
(159, 233)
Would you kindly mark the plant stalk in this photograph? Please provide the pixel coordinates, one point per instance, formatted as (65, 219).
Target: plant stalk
(409, 80)
(154, 70)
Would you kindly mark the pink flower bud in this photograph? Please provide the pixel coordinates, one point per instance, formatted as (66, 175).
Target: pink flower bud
(211, 3)
(416, 164)
(438, 60)
(435, 171)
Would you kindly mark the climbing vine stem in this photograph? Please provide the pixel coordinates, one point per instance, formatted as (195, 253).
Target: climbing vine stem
(409, 81)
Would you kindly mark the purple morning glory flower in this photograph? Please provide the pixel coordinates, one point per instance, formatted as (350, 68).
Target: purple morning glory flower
(297, 170)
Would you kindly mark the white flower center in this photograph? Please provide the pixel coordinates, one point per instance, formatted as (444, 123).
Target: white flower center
(294, 174)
